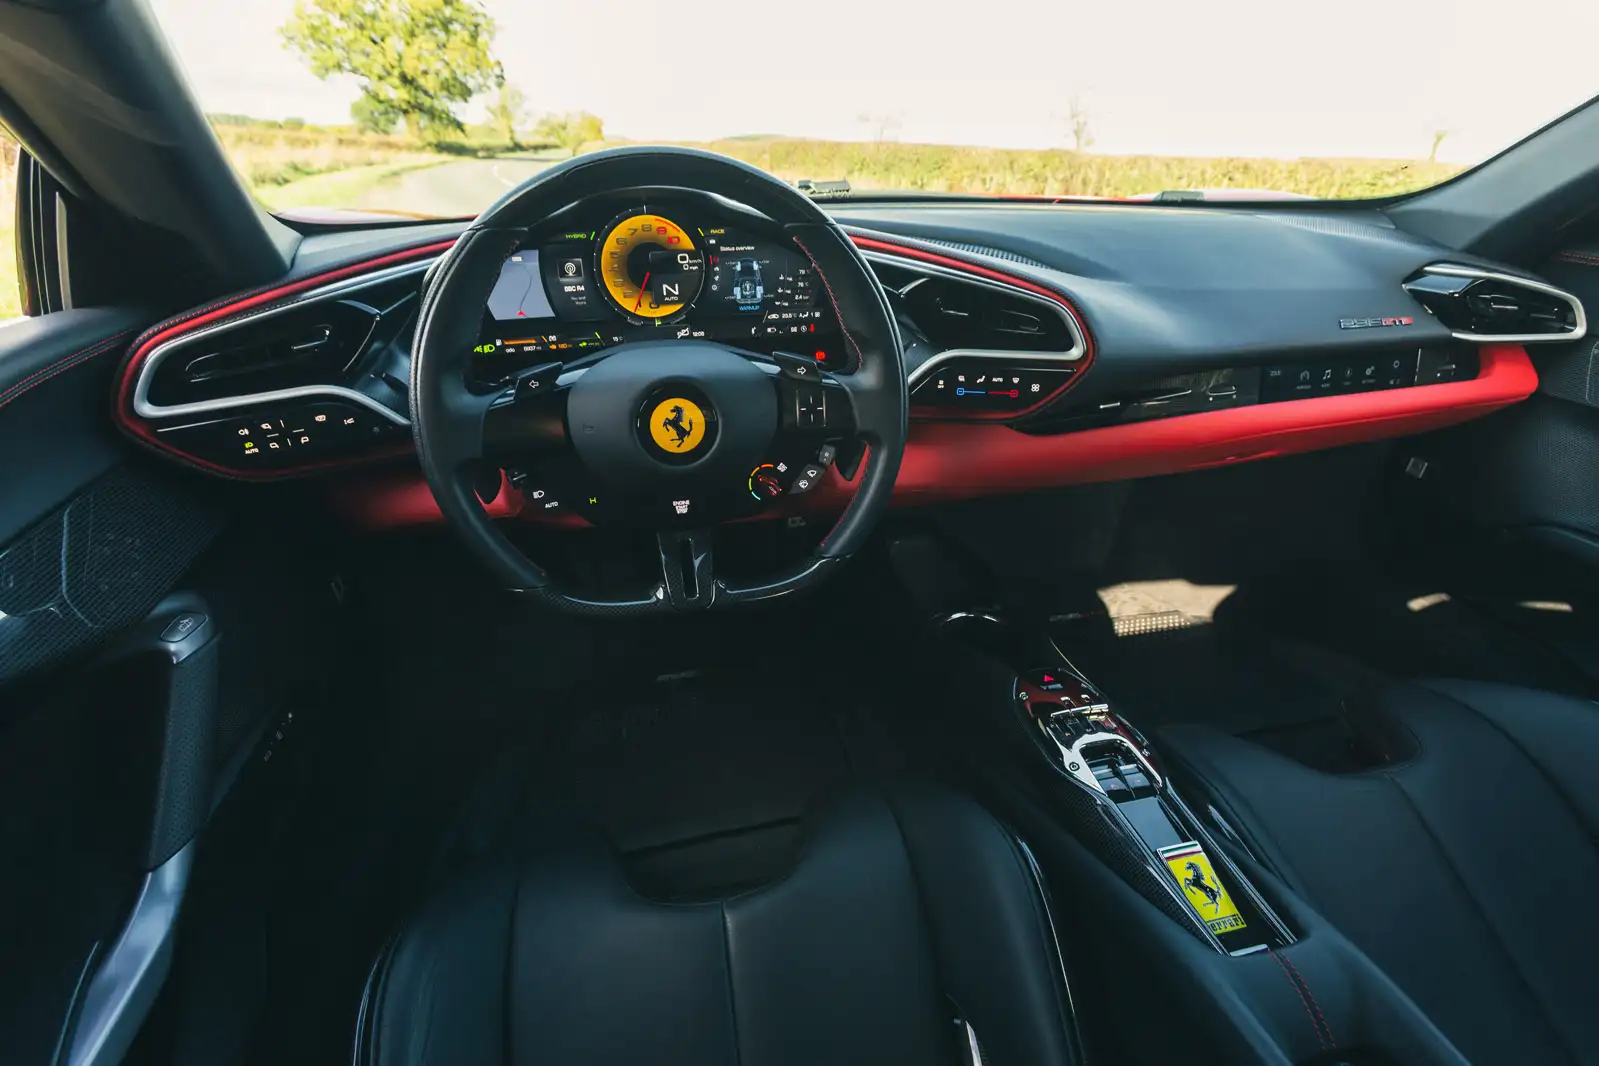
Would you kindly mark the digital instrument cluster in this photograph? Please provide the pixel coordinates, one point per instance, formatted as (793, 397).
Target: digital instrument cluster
(652, 272)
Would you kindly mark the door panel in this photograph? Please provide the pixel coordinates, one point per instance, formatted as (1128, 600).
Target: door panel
(107, 713)
(55, 434)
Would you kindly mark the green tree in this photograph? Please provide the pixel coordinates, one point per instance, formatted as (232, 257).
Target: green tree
(508, 111)
(1078, 122)
(570, 131)
(1437, 142)
(416, 59)
(373, 116)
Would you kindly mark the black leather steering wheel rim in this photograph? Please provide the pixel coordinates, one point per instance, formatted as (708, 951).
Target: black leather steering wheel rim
(445, 408)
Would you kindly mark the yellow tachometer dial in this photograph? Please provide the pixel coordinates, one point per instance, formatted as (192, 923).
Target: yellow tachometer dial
(650, 266)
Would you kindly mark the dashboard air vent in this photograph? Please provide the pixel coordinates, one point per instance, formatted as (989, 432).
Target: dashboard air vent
(958, 313)
(301, 345)
(314, 342)
(1481, 305)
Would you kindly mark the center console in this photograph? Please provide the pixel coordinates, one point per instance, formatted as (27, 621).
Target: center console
(1180, 943)
(1115, 796)
(1138, 812)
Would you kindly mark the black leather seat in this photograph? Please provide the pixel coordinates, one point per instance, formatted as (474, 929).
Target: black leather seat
(1468, 868)
(909, 916)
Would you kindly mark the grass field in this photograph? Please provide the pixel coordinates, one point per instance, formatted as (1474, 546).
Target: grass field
(288, 164)
(339, 187)
(268, 157)
(1000, 171)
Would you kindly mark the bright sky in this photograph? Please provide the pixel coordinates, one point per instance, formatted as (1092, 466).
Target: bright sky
(1180, 77)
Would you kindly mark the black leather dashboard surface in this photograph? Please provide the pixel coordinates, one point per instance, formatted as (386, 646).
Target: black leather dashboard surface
(1164, 289)
(1172, 289)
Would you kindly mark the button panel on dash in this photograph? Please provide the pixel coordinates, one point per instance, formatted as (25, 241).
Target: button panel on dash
(985, 386)
(286, 437)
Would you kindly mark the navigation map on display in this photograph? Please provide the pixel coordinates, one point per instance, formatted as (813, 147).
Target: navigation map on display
(520, 291)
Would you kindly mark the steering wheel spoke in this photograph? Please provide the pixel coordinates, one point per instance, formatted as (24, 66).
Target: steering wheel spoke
(823, 408)
(687, 573)
(527, 419)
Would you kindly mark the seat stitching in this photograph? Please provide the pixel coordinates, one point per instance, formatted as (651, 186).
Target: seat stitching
(910, 862)
(1051, 944)
(1493, 933)
(1245, 818)
(916, 882)
(1303, 1002)
(732, 1004)
(1314, 1005)
(1564, 795)
(1047, 937)
(507, 977)
(366, 1028)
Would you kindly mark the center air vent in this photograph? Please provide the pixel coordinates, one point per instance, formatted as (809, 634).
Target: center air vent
(959, 313)
(1480, 305)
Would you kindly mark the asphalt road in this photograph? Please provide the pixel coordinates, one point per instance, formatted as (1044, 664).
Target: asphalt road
(450, 189)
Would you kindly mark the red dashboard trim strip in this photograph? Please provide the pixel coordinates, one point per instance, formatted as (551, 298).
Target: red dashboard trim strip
(951, 461)
(947, 461)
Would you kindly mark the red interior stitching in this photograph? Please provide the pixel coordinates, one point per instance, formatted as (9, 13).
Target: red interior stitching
(1302, 1000)
(860, 357)
(46, 372)
(1316, 1006)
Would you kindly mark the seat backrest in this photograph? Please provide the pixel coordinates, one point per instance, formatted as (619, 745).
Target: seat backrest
(909, 915)
(1466, 871)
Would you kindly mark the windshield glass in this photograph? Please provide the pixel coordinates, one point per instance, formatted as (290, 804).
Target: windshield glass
(436, 107)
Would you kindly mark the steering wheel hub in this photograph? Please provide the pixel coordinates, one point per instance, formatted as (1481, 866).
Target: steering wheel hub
(664, 412)
(675, 421)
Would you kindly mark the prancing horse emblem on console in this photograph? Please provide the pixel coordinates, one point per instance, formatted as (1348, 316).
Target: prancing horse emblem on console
(1195, 881)
(677, 425)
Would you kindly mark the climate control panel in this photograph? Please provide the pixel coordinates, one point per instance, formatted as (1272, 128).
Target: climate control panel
(977, 387)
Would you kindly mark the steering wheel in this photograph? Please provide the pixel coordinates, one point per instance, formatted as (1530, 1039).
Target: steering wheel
(607, 416)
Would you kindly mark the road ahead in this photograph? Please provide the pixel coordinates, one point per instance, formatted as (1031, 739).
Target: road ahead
(450, 189)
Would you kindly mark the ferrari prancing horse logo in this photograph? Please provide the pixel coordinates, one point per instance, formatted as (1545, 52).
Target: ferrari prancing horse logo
(1191, 868)
(677, 426)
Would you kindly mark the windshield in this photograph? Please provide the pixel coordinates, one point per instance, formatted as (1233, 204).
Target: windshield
(436, 107)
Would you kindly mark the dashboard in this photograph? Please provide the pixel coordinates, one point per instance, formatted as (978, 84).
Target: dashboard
(671, 265)
(1044, 345)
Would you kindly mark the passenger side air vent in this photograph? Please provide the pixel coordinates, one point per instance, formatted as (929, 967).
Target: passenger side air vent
(1480, 305)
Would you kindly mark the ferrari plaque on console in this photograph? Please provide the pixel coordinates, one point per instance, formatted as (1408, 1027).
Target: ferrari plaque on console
(1191, 867)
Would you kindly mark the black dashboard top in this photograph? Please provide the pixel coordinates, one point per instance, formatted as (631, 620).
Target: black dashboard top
(1003, 309)
(1167, 289)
